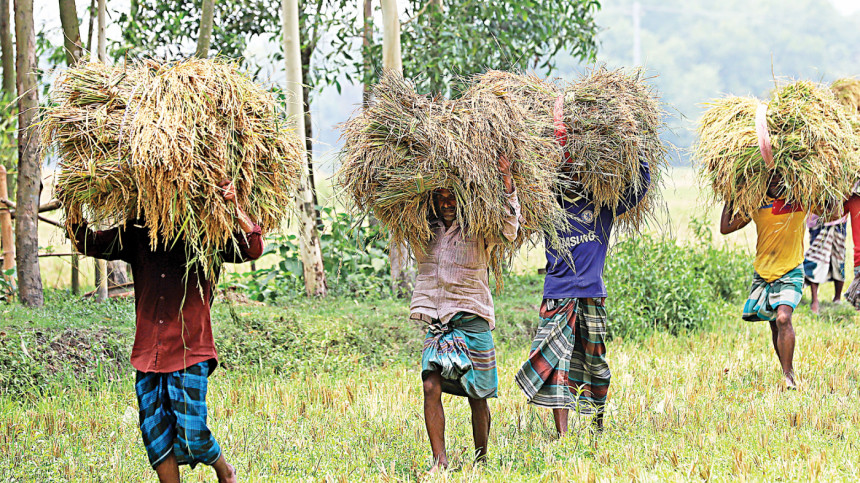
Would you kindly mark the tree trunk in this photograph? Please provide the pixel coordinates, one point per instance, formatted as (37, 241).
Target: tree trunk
(29, 167)
(366, 41)
(92, 11)
(205, 35)
(391, 56)
(114, 272)
(314, 271)
(7, 48)
(71, 31)
(309, 133)
(7, 52)
(7, 237)
(101, 28)
(402, 273)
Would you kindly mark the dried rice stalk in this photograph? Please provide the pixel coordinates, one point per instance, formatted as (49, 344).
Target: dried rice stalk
(152, 141)
(404, 146)
(815, 150)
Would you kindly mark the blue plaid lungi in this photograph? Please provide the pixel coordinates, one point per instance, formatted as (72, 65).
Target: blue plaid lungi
(766, 296)
(173, 416)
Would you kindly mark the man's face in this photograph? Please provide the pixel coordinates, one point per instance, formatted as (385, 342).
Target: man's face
(445, 204)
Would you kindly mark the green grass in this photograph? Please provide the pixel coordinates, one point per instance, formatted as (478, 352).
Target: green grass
(330, 391)
(708, 404)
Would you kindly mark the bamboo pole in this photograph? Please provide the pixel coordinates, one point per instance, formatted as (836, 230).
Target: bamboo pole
(7, 240)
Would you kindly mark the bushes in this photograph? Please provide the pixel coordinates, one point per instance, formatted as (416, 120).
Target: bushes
(658, 284)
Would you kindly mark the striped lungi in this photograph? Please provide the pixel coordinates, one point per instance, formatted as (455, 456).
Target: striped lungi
(463, 352)
(567, 368)
(765, 297)
(824, 261)
(173, 416)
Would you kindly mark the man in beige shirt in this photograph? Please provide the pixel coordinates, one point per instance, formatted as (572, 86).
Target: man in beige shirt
(452, 294)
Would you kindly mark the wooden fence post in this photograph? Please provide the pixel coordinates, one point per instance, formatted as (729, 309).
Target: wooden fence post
(76, 276)
(101, 280)
(7, 241)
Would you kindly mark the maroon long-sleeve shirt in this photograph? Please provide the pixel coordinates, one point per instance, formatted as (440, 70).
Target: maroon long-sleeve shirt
(174, 328)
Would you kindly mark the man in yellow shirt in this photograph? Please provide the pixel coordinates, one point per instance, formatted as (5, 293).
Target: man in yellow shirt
(778, 279)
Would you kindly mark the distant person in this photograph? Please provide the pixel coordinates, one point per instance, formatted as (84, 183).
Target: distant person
(452, 295)
(852, 206)
(566, 368)
(778, 278)
(824, 261)
(173, 352)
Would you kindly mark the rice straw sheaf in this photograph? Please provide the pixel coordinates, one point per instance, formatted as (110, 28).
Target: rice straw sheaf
(814, 150)
(847, 91)
(152, 141)
(614, 121)
(403, 146)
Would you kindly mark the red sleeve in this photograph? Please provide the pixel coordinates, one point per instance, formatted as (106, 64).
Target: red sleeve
(248, 246)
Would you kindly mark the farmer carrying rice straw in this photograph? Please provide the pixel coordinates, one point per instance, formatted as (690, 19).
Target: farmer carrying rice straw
(772, 164)
(567, 367)
(452, 295)
(174, 352)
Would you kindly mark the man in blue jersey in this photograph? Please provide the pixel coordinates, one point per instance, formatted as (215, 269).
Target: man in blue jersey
(567, 367)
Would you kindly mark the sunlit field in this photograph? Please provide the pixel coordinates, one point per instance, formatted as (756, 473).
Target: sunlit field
(338, 397)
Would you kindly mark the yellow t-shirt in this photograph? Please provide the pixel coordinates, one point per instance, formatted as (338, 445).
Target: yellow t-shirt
(779, 248)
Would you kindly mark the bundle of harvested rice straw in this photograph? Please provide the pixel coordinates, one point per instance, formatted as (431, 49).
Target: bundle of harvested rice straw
(152, 141)
(403, 146)
(814, 150)
(847, 91)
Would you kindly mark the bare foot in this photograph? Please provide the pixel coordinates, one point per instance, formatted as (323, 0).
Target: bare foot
(814, 307)
(440, 465)
(790, 385)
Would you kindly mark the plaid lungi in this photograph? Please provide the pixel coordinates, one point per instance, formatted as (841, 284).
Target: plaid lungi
(567, 366)
(853, 293)
(824, 261)
(463, 352)
(766, 297)
(173, 416)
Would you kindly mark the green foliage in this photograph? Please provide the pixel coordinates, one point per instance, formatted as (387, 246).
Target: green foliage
(354, 256)
(469, 37)
(658, 285)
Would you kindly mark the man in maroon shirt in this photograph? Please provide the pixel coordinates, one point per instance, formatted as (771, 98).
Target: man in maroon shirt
(174, 352)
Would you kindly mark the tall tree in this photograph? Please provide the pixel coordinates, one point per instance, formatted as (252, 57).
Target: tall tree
(314, 271)
(102, 27)
(392, 60)
(71, 31)
(7, 59)
(7, 51)
(29, 167)
(205, 35)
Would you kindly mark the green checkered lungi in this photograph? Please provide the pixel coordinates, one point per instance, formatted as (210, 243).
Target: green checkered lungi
(766, 297)
(463, 352)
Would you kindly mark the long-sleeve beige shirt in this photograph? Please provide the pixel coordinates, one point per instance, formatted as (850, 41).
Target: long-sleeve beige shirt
(453, 273)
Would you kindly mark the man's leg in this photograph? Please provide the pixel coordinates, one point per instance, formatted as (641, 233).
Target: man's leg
(814, 306)
(480, 427)
(168, 470)
(785, 343)
(434, 419)
(838, 285)
(774, 336)
(560, 416)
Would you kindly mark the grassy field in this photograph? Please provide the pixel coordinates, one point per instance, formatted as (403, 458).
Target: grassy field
(708, 405)
(330, 391)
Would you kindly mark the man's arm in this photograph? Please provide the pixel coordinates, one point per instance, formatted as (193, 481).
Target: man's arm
(104, 244)
(512, 218)
(248, 242)
(729, 224)
(634, 194)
